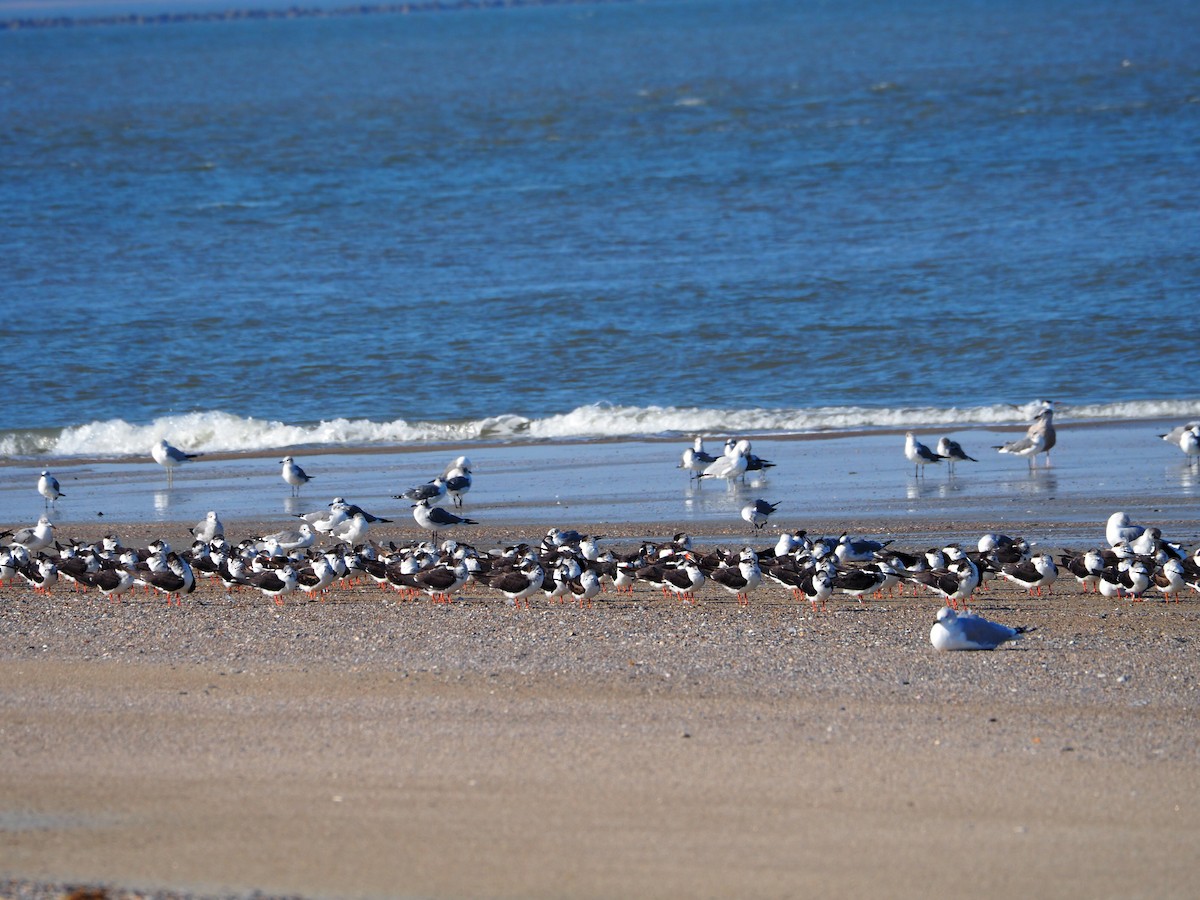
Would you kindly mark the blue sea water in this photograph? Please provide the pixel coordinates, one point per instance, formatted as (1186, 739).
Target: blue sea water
(585, 219)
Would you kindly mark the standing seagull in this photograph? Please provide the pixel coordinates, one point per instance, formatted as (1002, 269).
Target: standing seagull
(294, 475)
(35, 537)
(758, 512)
(1039, 438)
(48, 487)
(434, 518)
(953, 451)
(458, 479)
(731, 466)
(918, 454)
(170, 457)
(695, 458)
(209, 529)
(1189, 443)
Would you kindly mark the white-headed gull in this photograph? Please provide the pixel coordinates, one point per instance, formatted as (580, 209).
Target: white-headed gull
(48, 487)
(918, 454)
(169, 457)
(969, 631)
(293, 475)
(1040, 437)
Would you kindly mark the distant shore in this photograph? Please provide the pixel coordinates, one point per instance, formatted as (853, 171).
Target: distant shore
(293, 11)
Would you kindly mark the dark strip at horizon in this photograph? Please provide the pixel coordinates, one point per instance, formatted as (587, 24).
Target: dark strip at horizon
(291, 12)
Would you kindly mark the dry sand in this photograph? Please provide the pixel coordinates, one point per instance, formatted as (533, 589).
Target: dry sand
(364, 746)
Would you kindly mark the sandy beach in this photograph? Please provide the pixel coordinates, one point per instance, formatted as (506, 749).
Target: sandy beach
(365, 746)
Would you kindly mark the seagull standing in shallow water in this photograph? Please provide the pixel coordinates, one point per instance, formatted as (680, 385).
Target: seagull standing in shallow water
(695, 458)
(730, 466)
(48, 487)
(953, 452)
(918, 454)
(293, 475)
(1189, 443)
(1039, 438)
(170, 458)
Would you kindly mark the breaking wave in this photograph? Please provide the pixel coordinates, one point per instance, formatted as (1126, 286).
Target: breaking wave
(217, 432)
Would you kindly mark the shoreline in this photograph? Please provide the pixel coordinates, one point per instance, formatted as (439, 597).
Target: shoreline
(828, 483)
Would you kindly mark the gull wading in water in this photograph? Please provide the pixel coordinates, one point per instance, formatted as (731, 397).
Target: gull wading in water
(1175, 435)
(48, 487)
(730, 466)
(695, 459)
(918, 454)
(1039, 438)
(1189, 443)
(968, 631)
(170, 458)
(293, 475)
(953, 452)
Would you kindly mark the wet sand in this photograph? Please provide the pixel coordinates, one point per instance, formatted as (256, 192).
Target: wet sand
(819, 481)
(368, 747)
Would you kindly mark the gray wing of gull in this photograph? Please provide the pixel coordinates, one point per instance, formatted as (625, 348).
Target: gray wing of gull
(979, 630)
(439, 516)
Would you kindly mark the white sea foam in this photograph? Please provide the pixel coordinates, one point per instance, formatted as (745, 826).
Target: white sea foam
(214, 432)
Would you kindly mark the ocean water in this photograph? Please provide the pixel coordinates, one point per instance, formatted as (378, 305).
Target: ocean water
(566, 221)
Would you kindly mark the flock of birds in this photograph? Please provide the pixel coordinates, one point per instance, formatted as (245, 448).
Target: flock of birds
(332, 547)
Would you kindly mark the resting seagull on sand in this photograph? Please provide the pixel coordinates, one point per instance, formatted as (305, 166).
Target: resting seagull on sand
(969, 632)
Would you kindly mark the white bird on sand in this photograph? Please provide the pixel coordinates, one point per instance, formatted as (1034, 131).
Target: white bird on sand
(293, 475)
(1040, 437)
(351, 531)
(35, 537)
(918, 454)
(48, 487)
(170, 458)
(435, 519)
(969, 631)
(290, 539)
(758, 512)
(209, 529)
(1120, 530)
